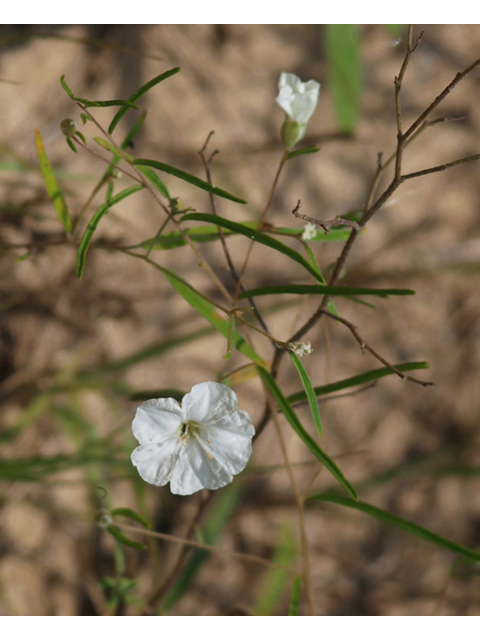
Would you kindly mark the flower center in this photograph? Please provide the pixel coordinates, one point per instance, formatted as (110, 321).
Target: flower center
(190, 428)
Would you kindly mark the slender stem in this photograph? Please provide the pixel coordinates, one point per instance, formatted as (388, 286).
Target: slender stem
(262, 218)
(246, 557)
(141, 178)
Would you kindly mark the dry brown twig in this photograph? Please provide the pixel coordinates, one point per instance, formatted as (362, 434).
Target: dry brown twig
(372, 206)
(325, 224)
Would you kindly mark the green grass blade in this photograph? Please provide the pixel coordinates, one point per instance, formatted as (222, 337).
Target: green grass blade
(342, 44)
(354, 381)
(93, 224)
(276, 579)
(140, 92)
(258, 236)
(208, 311)
(295, 597)
(309, 392)
(313, 260)
(53, 191)
(295, 423)
(188, 177)
(322, 289)
(400, 523)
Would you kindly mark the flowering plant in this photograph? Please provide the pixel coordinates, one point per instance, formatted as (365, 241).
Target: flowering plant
(201, 443)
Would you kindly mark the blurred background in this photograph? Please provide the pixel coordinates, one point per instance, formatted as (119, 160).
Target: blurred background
(78, 356)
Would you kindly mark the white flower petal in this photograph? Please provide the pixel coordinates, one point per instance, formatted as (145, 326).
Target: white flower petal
(157, 419)
(208, 401)
(155, 462)
(298, 99)
(229, 449)
(196, 471)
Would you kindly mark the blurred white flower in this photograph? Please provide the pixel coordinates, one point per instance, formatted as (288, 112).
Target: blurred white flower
(309, 231)
(201, 443)
(298, 99)
(301, 348)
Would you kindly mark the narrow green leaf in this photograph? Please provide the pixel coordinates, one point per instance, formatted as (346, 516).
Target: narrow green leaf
(138, 93)
(93, 224)
(310, 393)
(354, 381)
(258, 236)
(129, 513)
(66, 87)
(210, 233)
(147, 172)
(313, 260)
(292, 418)
(71, 145)
(295, 597)
(321, 289)
(400, 523)
(53, 191)
(342, 44)
(187, 177)
(276, 579)
(208, 311)
(301, 152)
(155, 180)
(118, 535)
(107, 103)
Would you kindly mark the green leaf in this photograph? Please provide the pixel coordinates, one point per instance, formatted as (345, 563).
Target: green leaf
(276, 579)
(321, 289)
(342, 44)
(258, 236)
(208, 311)
(71, 145)
(187, 177)
(155, 180)
(53, 191)
(148, 173)
(301, 152)
(118, 535)
(129, 513)
(140, 92)
(292, 418)
(66, 87)
(400, 523)
(295, 597)
(354, 381)
(107, 103)
(93, 224)
(313, 260)
(310, 393)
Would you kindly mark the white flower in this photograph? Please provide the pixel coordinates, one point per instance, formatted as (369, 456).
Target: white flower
(301, 348)
(298, 99)
(201, 443)
(309, 231)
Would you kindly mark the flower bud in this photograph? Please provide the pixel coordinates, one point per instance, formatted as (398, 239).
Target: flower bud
(68, 127)
(298, 99)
